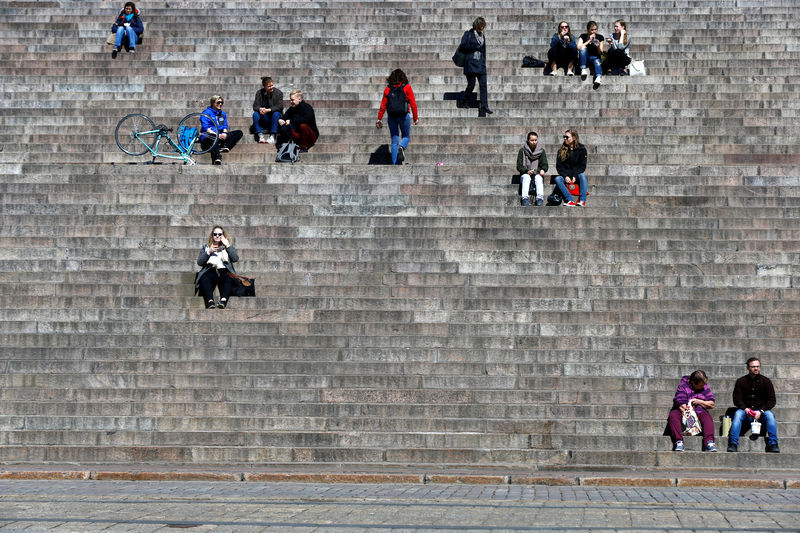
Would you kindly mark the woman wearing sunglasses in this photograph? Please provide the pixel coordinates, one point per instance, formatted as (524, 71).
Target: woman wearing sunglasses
(563, 51)
(227, 139)
(571, 166)
(216, 259)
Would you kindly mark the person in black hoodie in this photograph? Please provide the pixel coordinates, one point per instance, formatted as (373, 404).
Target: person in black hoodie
(473, 45)
(571, 165)
(298, 123)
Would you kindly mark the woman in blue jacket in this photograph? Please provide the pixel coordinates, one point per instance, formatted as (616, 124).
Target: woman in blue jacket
(127, 26)
(473, 45)
(227, 139)
(563, 50)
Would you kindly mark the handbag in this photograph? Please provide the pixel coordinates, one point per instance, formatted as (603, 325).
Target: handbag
(532, 62)
(691, 424)
(459, 58)
(242, 285)
(573, 188)
(636, 68)
(111, 39)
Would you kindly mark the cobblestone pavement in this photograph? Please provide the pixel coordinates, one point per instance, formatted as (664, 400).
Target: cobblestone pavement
(66, 506)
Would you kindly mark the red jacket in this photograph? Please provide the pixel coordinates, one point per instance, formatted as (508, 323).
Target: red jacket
(412, 102)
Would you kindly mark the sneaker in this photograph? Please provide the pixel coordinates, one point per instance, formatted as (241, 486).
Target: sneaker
(114, 53)
(581, 204)
(539, 201)
(525, 201)
(679, 446)
(217, 161)
(401, 155)
(271, 139)
(222, 303)
(598, 80)
(131, 50)
(711, 447)
(211, 305)
(553, 73)
(262, 139)
(733, 448)
(570, 73)
(772, 448)
(573, 204)
(584, 73)
(225, 149)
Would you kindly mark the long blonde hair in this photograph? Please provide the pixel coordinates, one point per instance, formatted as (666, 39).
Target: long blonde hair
(564, 150)
(624, 27)
(224, 234)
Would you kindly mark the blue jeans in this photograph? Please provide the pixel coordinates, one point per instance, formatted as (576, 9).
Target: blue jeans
(266, 120)
(402, 124)
(585, 57)
(583, 183)
(121, 32)
(766, 418)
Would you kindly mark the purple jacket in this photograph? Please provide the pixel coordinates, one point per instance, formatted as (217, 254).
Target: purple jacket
(685, 392)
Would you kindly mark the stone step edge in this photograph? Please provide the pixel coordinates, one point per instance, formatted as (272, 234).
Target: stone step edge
(736, 479)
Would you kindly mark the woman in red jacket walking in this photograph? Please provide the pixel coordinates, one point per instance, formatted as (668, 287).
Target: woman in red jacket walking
(398, 98)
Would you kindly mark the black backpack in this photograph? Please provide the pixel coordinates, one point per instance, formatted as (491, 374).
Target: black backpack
(396, 103)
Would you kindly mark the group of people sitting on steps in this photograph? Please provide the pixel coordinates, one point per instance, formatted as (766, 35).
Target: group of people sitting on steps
(590, 49)
(753, 401)
(298, 123)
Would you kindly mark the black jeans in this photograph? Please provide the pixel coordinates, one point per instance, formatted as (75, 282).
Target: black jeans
(471, 86)
(562, 57)
(215, 279)
(229, 142)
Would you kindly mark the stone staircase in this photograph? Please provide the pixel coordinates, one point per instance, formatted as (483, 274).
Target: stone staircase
(408, 315)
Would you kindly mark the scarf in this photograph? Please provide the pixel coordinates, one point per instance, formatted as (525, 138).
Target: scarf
(529, 157)
(128, 18)
(479, 37)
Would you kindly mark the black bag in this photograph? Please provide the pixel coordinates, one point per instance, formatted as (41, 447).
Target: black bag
(289, 153)
(555, 198)
(396, 102)
(532, 62)
(241, 285)
(459, 58)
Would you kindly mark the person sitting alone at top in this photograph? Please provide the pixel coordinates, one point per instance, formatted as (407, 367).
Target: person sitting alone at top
(127, 27)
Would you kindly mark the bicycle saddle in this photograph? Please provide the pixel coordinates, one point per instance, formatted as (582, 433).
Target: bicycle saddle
(163, 128)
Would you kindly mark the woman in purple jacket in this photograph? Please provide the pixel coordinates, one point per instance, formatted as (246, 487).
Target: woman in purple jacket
(692, 388)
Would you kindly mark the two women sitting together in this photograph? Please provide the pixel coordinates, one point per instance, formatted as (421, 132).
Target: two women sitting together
(570, 164)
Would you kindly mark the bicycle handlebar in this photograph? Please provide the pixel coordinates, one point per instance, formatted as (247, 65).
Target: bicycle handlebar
(162, 128)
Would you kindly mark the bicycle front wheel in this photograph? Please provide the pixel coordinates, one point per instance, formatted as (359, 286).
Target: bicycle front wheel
(190, 129)
(136, 134)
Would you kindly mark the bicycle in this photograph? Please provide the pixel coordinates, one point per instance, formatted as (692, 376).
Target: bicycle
(136, 134)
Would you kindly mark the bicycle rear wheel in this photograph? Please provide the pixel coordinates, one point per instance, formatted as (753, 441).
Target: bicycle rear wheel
(135, 133)
(190, 130)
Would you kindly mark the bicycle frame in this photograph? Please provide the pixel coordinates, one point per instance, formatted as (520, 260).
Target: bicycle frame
(184, 155)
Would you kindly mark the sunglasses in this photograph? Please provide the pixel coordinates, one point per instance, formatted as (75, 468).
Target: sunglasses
(217, 234)
(220, 102)
(566, 136)
(563, 27)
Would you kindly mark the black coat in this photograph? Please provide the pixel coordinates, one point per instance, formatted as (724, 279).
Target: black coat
(469, 46)
(302, 113)
(574, 164)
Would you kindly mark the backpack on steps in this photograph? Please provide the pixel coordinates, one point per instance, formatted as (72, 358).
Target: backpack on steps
(289, 153)
(396, 102)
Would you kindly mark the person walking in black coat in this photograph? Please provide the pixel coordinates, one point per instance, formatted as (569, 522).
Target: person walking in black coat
(473, 45)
